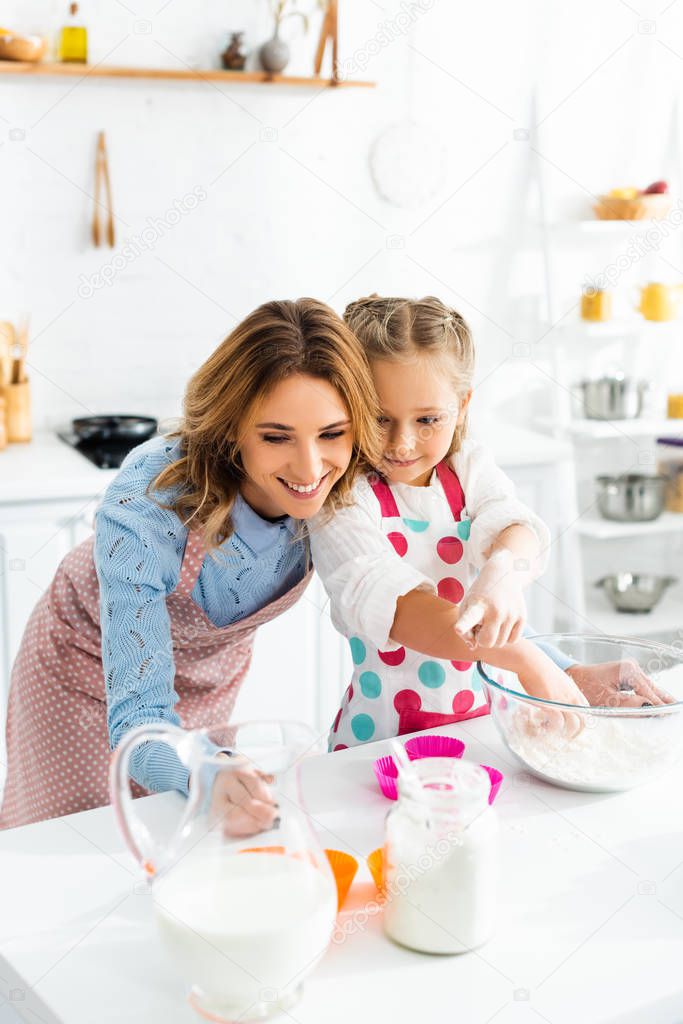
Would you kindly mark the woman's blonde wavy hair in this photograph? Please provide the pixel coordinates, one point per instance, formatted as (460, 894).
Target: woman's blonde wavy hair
(274, 342)
(393, 328)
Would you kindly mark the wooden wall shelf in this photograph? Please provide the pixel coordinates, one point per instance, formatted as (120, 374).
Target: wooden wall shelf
(9, 67)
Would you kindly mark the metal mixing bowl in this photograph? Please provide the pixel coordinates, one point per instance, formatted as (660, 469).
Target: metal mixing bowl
(631, 497)
(635, 592)
(616, 748)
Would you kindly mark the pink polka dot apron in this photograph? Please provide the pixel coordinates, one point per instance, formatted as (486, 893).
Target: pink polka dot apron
(397, 691)
(57, 741)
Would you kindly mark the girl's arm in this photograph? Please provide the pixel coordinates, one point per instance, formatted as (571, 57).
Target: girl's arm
(508, 543)
(427, 624)
(499, 520)
(493, 611)
(521, 544)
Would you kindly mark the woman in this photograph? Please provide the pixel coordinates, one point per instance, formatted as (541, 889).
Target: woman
(196, 545)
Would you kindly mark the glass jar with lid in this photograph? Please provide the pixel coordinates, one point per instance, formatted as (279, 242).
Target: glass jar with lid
(441, 859)
(670, 465)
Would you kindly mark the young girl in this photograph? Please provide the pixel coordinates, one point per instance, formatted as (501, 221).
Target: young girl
(399, 562)
(197, 543)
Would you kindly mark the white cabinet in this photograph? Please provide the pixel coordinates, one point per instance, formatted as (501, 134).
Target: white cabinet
(34, 537)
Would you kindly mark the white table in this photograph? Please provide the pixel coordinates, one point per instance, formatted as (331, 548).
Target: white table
(591, 913)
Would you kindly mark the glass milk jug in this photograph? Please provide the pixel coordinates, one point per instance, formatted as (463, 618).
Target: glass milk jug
(245, 918)
(441, 859)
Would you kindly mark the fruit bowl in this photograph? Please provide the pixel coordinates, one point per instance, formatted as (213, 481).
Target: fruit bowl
(615, 748)
(646, 206)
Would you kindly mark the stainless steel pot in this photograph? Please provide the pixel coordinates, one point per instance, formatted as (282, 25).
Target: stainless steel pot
(632, 497)
(613, 398)
(635, 593)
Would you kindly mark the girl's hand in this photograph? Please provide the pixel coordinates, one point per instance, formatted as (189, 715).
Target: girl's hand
(493, 611)
(542, 678)
(555, 685)
(620, 684)
(241, 801)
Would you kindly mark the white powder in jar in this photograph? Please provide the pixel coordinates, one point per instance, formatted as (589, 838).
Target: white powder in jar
(441, 859)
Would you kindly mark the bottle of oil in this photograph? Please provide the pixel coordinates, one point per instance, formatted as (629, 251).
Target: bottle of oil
(73, 40)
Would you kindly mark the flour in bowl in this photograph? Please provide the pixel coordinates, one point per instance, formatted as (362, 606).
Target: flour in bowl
(611, 752)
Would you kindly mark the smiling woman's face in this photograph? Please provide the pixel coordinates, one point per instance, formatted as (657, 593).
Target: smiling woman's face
(299, 444)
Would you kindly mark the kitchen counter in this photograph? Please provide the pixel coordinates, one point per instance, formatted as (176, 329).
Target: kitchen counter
(47, 468)
(591, 913)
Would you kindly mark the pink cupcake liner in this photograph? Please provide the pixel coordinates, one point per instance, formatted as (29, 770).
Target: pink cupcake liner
(434, 746)
(386, 773)
(496, 778)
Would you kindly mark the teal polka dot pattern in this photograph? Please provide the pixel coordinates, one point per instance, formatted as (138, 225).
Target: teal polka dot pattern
(463, 529)
(358, 651)
(362, 727)
(416, 525)
(431, 674)
(475, 680)
(370, 684)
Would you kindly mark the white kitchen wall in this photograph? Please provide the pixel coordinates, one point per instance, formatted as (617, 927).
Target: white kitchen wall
(290, 207)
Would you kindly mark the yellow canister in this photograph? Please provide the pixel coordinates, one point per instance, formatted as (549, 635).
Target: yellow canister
(674, 407)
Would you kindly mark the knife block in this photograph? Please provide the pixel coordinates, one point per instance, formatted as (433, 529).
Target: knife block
(3, 420)
(18, 401)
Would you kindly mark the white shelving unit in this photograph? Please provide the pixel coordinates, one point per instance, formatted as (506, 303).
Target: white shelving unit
(642, 350)
(591, 524)
(601, 430)
(571, 350)
(580, 350)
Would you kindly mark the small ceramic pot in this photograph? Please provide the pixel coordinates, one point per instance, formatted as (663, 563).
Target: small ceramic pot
(274, 55)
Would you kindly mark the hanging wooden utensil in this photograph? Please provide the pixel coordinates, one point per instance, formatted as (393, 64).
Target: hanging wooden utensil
(96, 228)
(103, 186)
(111, 238)
(330, 30)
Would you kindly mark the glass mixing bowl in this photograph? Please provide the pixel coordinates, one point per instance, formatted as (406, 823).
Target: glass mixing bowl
(615, 748)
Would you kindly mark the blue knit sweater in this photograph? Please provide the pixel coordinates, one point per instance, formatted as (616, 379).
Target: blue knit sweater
(138, 553)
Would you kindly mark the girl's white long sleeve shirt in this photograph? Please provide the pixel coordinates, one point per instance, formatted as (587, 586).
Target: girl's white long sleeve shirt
(362, 573)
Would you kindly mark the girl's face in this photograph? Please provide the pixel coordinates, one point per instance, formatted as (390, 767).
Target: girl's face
(297, 446)
(420, 411)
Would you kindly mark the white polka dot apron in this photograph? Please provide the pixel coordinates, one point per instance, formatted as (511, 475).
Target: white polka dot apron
(398, 691)
(57, 741)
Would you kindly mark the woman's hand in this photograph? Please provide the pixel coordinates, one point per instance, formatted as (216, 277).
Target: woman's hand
(621, 684)
(493, 611)
(241, 801)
